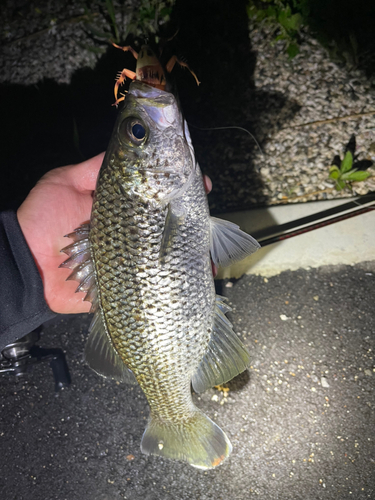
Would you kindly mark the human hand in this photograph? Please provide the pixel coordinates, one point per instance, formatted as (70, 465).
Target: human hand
(60, 202)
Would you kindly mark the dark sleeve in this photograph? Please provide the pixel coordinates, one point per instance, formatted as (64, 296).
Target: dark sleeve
(22, 304)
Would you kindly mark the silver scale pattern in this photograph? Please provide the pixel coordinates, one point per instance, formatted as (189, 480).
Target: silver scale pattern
(158, 314)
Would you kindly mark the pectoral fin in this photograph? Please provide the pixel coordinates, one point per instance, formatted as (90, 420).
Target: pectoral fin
(173, 221)
(228, 243)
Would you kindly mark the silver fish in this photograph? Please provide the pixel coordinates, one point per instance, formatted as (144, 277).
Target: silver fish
(144, 262)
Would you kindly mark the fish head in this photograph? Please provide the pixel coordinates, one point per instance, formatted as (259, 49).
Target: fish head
(155, 157)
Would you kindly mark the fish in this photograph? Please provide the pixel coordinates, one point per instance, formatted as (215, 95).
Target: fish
(144, 262)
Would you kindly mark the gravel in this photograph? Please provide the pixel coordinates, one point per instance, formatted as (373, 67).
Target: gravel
(299, 153)
(301, 419)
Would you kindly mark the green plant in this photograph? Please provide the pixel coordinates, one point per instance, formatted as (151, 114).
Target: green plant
(143, 21)
(286, 18)
(345, 174)
(343, 27)
(151, 15)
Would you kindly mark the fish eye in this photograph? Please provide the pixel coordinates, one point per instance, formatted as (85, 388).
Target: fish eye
(138, 131)
(133, 129)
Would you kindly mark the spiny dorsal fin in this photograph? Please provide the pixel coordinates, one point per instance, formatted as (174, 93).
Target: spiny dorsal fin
(228, 243)
(225, 357)
(80, 262)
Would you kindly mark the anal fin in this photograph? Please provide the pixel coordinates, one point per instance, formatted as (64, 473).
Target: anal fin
(226, 356)
(101, 355)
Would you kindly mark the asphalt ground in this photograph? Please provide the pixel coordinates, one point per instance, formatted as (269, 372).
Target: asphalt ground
(301, 420)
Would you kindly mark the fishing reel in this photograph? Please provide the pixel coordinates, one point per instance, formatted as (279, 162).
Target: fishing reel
(19, 357)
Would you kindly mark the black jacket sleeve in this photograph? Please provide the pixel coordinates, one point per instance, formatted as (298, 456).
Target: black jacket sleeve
(22, 304)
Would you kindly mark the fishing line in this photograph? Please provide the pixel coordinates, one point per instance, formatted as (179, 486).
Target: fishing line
(230, 127)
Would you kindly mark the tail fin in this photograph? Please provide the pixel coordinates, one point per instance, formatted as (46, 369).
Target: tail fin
(197, 440)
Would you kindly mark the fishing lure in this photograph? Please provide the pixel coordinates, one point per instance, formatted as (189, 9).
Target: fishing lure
(149, 69)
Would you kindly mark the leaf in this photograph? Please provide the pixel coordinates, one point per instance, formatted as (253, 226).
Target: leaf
(290, 23)
(292, 50)
(282, 36)
(271, 12)
(295, 22)
(282, 18)
(347, 162)
(97, 33)
(111, 12)
(346, 176)
(92, 48)
(334, 172)
(340, 184)
(358, 176)
(165, 12)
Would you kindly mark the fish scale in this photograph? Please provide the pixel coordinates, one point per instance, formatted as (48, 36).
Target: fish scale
(164, 324)
(144, 262)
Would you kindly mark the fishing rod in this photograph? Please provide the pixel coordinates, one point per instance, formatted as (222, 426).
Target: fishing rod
(324, 218)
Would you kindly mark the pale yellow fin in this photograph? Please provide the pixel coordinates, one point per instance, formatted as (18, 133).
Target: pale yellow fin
(196, 440)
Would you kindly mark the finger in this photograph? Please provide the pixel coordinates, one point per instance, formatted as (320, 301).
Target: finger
(83, 176)
(207, 184)
(214, 269)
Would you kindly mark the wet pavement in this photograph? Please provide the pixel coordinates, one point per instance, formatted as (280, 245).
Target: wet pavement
(301, 420)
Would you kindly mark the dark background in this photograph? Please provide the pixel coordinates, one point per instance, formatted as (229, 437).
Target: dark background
(47, 124)
(38, 121)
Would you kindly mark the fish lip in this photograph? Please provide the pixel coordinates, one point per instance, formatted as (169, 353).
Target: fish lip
(142, 90)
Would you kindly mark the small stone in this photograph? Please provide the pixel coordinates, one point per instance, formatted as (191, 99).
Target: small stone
(229, 284)
(316, 297)
(283, 317)
(324, 382)
(368, 373)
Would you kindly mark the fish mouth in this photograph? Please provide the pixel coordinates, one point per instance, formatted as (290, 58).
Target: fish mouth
(157, 97)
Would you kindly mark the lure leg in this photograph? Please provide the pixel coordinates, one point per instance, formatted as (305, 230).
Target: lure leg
(120, 80)
(124, 73)
(127, 48)
(173, 60)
